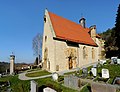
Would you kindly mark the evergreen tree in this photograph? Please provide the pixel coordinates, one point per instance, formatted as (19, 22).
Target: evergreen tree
(117, 30)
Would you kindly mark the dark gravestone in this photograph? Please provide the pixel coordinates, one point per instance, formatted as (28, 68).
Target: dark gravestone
(71, 81)
(84, 72)
(97, 87)
(116, 81)
(113, 60)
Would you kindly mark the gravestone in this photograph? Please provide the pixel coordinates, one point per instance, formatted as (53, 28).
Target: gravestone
(114, 60)
(116, 81)
(102, 62)
(78, 70)
(97, 87)
(105, 73)
(34, 86)
(47, 89)
(71, 81)
(118, 61)
(0, 75)
(55, 76)
(94, 71)
(95, 66)
(84, 72)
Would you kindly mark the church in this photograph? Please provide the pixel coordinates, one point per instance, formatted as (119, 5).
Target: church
(68, 45)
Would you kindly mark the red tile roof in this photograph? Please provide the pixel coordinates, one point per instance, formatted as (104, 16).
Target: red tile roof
(68, 30)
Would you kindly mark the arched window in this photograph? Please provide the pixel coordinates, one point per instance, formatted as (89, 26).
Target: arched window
(45, 53)
(93, 53)
(84, 53)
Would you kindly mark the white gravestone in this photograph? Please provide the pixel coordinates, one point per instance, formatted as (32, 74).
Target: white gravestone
(102, 62)
(55, 76)
(95, 65)
(34, 86)
(118, 61)
(94, 71)
(47, 89)
(0, 75)
(105, 73)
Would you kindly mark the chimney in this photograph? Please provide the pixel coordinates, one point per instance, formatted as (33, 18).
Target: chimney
(82, 22)
(93, 32)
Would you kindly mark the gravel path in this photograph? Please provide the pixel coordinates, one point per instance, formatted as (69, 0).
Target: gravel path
(23, 77)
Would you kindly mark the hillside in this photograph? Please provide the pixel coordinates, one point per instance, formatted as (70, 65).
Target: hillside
(4, 66)
(110, 42)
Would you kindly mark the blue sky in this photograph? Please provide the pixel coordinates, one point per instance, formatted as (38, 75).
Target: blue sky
(21, 20)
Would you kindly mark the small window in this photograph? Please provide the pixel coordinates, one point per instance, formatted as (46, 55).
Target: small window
(45, 38)
(45, 18)
(84, 52)
(93, 53)
(57, 67)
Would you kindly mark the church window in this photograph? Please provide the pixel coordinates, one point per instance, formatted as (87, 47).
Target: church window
(45, 18)
(93, 53)
(45, 38)
(84, 52)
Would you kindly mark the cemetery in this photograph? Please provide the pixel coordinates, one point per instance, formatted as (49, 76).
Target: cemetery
(104, 74)
(101, 76)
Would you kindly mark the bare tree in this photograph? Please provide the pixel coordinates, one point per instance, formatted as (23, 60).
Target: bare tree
(37, 45)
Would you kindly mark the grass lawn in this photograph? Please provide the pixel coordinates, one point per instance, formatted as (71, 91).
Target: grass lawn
(114, 70)
(24, 86)
(38, 73)
(16, 84)
(55, 85)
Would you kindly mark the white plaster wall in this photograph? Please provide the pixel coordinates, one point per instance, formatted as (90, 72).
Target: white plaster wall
(89, 60)
(60, 57)
(49, 44)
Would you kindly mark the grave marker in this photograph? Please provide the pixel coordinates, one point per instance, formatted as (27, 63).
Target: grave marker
(85, 72)
(114, 60)
(47, 89)
(95, 65)
(105, 73)
(116, 81)
(55, 76)
(72, 81)
(34, 86)
(94, 71)
(118, 61)
(102, 62)
(97, 87)
(0, 75)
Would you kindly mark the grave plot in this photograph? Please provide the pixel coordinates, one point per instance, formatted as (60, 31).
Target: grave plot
(74, 82)
(96, 87)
